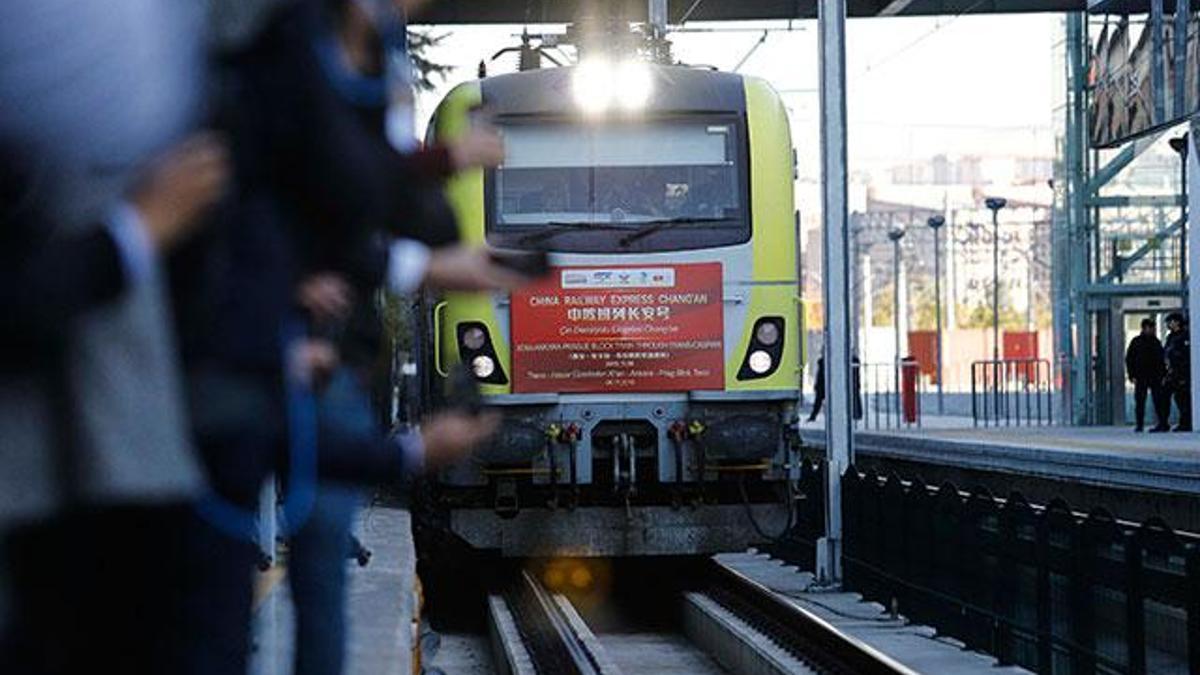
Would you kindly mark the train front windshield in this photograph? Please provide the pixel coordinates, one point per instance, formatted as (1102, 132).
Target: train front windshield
(620, 186)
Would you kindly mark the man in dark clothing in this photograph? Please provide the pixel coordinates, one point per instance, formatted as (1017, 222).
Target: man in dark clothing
(1179, 368)
(819, 388)
(1146, 366)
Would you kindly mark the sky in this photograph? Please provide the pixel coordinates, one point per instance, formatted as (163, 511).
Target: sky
(916, 87)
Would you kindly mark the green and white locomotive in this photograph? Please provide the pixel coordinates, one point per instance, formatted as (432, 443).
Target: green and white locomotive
(649, 383)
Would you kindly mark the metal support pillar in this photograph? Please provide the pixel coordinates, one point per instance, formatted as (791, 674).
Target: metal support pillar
(1183, 12)
(994, 205)
(896, 285)
(839, 436)
(897, 312)
(1192, 289)
(896, 234)
(1184, 160)
(936, 223)
(1158, 75)
(657, 14)
(1074, 335)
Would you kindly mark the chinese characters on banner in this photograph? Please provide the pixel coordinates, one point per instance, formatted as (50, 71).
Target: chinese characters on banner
(620, 328)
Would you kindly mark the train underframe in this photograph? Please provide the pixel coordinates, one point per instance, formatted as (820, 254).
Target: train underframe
(630, 475)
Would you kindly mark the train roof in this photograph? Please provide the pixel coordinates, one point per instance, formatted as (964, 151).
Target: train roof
(548, 91)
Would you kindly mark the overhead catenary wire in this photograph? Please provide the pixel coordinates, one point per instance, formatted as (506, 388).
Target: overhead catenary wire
(688, 14)
(761, 40)
(871, 67)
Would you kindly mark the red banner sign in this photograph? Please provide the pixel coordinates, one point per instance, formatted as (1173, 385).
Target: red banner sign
(620, 328)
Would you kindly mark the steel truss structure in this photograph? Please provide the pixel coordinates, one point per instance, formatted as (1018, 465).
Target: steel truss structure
(1112, 252)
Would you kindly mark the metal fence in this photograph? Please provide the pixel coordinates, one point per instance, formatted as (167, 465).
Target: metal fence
(889, 395)
(1012, 392)
(1046, 588)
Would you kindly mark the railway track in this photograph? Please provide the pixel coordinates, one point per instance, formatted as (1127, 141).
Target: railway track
(536, 631)
(752, 629)
(735, 621)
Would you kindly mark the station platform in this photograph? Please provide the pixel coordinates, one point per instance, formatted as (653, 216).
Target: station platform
(380, 607)
(1133, 475)
(916, 646)
(380, 604)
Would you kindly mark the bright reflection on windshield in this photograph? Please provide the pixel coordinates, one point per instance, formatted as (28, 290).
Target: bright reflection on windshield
(617, 173)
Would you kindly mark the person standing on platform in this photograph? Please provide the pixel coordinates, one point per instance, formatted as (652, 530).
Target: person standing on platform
(96, 468)
(316, 180)
(1179, 368)
(819, 388)
(1146, 365)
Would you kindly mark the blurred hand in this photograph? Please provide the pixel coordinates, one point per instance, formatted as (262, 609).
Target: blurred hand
(479, 148)
(312, 361)
(469, 268)
(178, 187)
(326, 295)
(451, 436)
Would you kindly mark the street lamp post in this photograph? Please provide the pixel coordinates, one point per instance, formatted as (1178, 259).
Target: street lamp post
(896, 234)
(1180, 145)
(995, 204)
(936, 222)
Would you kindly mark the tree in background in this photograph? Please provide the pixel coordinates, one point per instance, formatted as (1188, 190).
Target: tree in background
(420, 42)
(980, 314)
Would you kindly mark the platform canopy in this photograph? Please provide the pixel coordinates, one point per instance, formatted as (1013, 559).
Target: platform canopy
(1130, 6)
(565, 11)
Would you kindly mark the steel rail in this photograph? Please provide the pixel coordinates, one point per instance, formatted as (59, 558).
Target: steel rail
(803, 634)
(556, 644)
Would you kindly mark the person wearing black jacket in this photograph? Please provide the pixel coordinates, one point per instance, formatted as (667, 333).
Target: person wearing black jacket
(819, 388)
(1146, 366)
(1179, 368)
(95, 466)
(315, 179)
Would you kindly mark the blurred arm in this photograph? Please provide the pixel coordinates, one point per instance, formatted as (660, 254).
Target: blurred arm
(48, 283)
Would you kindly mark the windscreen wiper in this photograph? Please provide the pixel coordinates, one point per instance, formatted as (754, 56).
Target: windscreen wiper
(555, 228)
(649, 227)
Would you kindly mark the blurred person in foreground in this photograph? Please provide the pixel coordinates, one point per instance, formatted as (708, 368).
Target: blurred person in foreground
(353, 52)
(96, 470)
(1146, 366)
(1179, 368)
(316, 186)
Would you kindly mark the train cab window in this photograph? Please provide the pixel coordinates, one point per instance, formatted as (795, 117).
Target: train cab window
(620, 186)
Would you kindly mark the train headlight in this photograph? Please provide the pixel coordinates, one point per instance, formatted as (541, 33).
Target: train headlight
(592, 85)
(598, 85)
(633, 85)
(765, 351)
(474, 338)
(760, 362)
(483, 366)
(767, 333)
(476, 351)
